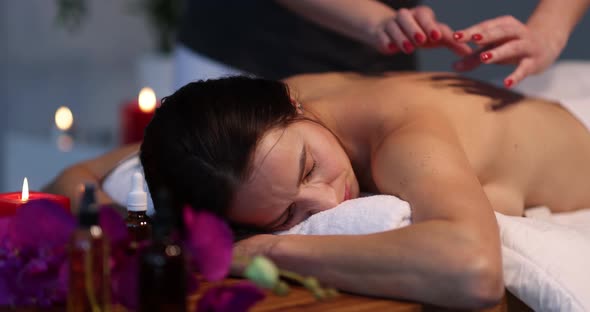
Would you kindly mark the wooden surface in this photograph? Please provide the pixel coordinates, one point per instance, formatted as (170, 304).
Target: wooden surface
(300, 299)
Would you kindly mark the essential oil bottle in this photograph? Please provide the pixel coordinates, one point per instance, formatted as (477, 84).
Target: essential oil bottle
(89, 279)
(162, 274)
(139, 224)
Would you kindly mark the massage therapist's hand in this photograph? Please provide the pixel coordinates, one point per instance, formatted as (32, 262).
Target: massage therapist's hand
(409, 29)
(505, 40)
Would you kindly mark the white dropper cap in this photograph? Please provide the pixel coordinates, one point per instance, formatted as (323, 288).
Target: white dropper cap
(137, 198)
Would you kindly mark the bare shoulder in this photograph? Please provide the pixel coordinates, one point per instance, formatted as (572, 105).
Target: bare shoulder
(310, 86)
(423, 163)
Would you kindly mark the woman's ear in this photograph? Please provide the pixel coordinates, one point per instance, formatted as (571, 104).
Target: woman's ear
(297, 105)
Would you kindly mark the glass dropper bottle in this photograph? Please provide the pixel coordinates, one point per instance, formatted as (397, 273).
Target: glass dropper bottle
(139, 225)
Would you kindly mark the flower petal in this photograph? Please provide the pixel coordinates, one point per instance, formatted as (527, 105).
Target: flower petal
(113, 224)
(230, 298)
(124, 282)
(209, 241)
(52, 225)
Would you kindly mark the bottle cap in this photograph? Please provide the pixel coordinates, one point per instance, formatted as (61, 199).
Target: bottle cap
(88, 214)
(163, 220)
(137, 198)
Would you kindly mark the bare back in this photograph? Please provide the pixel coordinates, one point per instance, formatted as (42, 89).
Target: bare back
(525, 151)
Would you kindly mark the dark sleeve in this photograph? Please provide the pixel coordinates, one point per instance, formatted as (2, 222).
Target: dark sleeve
(266, 39)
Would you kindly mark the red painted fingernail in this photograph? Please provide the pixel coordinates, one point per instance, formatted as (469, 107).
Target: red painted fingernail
(486, 56)
(458, 35)
(408, 47)
(508, 82)
(434, 35)
(419, 38)
(392, 47)
(477, 37)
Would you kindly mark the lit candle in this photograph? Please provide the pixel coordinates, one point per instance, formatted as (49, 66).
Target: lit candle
(64, 119)
(9, 202)
(136, 115)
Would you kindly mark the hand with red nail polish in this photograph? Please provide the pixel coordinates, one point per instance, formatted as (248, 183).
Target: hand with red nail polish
(410, 29)
(485, 56)
(531, 47)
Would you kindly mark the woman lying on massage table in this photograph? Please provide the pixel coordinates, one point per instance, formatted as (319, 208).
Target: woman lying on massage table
(268, 154)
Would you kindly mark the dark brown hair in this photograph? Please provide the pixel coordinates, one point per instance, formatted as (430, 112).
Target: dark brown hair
(200, 143)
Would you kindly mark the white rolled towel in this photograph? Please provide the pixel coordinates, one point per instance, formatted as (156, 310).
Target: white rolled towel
(362, 215)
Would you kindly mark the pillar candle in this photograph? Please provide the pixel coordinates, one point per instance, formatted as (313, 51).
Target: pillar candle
(136, 115)
(10, 202)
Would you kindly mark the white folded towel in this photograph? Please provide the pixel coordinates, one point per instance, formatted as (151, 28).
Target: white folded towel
(363, 215)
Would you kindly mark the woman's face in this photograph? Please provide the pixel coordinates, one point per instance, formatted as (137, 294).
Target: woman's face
(297, 171)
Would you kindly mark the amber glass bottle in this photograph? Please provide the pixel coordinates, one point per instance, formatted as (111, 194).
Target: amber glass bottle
(162, 275)
(89, 286)
(139, 225)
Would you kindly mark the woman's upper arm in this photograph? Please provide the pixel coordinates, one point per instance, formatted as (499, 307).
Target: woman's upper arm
(101, 166)
(425, 165)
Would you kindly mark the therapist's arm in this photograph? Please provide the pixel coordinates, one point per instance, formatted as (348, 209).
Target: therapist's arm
(70, 180)
(557, 19)
(356, 19)
(532, 46)
(378, 25)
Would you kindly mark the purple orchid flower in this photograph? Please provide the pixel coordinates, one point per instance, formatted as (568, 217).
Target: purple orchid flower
(32, 254)
(34, 266)
(230, 298)
(124, 261)
(209, 243)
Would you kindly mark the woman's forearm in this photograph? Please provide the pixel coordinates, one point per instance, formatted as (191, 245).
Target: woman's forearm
(431, 262)
(557, 19)
(69, 183)
(70, 180)
(356, 19)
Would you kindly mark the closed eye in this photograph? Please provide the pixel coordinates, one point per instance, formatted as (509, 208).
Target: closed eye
(285, 223)
(310, 172)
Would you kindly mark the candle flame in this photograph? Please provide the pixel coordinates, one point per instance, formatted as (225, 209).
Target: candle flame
(64, 118)
(25, 193)
(147, 100)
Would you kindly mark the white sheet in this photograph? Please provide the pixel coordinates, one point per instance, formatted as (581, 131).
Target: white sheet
(545, 261)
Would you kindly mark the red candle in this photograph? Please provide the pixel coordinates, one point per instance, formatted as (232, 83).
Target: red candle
(136, 115)
(10, 202)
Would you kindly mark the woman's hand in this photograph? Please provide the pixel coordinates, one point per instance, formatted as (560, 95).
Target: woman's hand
(505, 40)
(409, 29)
(260, 244)
(245, 249)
